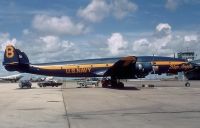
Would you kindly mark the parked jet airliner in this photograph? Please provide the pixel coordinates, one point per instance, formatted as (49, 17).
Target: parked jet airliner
(130, 67)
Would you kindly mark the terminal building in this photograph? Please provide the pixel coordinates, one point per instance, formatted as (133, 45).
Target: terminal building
(190, 56)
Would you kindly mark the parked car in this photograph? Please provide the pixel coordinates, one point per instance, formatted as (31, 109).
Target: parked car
(25, 83)
(89, 81)
(52, 83)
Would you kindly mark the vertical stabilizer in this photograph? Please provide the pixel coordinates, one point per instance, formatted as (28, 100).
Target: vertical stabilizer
(14, 58)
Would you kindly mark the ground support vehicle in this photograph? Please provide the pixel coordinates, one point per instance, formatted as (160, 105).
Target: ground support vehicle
(52, 83)
(25, 83)
(90, 81)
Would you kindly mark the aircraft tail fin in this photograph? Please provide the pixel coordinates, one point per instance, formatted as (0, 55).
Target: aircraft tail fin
(14, 59)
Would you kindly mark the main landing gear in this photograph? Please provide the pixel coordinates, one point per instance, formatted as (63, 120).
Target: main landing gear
(113, 83)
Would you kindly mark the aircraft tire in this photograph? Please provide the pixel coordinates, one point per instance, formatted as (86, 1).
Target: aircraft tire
(120, 85)
(104, 85)
(114, 84)
(187, 84)
(82, 85)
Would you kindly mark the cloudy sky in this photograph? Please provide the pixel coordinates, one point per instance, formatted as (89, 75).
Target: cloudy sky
(57, 30)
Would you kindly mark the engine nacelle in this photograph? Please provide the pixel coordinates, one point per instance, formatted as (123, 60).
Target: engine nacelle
(143, 69)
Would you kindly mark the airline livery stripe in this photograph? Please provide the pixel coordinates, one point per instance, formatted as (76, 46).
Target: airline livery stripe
(58, 67)
(168, 62)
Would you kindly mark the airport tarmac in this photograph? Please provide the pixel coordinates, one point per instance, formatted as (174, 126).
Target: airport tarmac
(31, 108)
(172, 105)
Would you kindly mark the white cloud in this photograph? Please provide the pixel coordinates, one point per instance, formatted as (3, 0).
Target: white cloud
(121, 8)
(157, 43)
(116, 43)
(162, 36)
(97, 10)
(26, 31)
(142, 45)
(58, 25)
(172, 4)
(163, 29)
(48, 48)
(5, 40)
(54, 44)
(191, 38)
(165, 42)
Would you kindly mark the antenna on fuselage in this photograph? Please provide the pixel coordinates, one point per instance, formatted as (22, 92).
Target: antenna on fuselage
(154, 73)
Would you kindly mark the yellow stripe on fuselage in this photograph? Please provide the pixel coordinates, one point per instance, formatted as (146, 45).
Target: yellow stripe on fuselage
(160, 63)
(13, 63)
(58, 67)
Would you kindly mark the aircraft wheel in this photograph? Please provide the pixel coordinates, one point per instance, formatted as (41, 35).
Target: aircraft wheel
(187, 84)
(114, 84)
(96, 85)
(120, 85)
(104, 85)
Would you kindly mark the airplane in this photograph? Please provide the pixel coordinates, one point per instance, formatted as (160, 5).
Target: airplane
(11, 78)
(113, 69)
(39, 79)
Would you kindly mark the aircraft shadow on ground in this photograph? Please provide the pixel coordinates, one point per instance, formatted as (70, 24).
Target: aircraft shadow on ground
(24, 88)
(125, 88)
(37, 88)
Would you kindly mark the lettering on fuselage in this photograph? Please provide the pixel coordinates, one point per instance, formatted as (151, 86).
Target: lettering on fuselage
(78, 70)
(181, 67)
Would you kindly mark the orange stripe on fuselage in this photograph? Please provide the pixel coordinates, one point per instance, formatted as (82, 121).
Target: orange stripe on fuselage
(58, 67)
(160, 63)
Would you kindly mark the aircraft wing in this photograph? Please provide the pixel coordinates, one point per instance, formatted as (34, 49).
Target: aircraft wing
(12, 78)
(123, 68)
